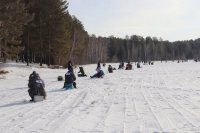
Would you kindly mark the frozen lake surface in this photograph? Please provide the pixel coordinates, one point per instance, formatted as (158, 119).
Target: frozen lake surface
(164, 97)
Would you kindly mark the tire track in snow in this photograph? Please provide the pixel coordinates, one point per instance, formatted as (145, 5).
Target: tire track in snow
(180, 114)
(20, 102)
(55, 125)
(46, 119)
(106, 111)
(152, 111)
(102, 106)
(40, 120)
(93, 114)
(33, 110)
(158, 105)
(113, 120)
(131, 113)
(18, 108)
(146, 125)
(182, 100)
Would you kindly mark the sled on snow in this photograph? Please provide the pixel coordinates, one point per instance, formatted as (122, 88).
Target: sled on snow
(38, 98)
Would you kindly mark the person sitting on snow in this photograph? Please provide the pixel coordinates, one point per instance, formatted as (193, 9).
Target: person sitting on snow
(121, 65)
(110, 69)
(138, 65)
(70, 78)
(99, 73)
(82, 73)
(36, 86)
(32, 79)
(128, 66)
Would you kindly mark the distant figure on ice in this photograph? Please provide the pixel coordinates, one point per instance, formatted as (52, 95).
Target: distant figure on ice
(82, 73)
(99, 73)
(121, 65)
(138, 65)
(70, 65)
(69, 79)
(110, 69)
(128, 66)
(98, 65)
(36, 86)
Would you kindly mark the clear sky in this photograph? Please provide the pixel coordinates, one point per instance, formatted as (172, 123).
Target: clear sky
(169, 19)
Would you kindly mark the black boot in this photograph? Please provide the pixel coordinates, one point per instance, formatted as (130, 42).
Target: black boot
(74, 84)
(32, 99)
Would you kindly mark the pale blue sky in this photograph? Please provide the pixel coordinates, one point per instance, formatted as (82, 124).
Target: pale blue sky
(169, 19)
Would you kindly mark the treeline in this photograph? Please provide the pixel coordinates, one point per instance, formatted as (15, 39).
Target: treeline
(40, 31)
(138, 48)
(43, 31)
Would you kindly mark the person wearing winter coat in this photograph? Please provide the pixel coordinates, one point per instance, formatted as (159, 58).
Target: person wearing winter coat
(98, 65)
(128, 66)
(121, 65)
(32, 79)
(70, 65)
(70, 78)
(138, 65)
(99, 73)
(36, 86)
(110, 69)
(82, 73)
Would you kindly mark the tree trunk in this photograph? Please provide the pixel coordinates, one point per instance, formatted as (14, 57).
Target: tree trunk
(0, 48)
(40, 60)
(28, 53)
(73, 45)
(5, 51)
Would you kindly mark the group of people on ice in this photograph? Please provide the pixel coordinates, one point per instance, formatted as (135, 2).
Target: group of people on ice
(36, 84)
(128, 66)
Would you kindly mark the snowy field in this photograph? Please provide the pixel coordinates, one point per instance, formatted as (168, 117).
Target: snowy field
(164, 97)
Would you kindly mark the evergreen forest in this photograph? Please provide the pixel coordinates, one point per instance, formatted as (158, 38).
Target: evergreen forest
(44, 32)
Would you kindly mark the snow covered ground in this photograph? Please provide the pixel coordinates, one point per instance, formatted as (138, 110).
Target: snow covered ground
(164, 97)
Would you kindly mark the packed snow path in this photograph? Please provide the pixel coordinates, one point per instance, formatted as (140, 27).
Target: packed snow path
(164, 97)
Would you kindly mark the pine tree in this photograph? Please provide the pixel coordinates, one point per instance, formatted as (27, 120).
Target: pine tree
(14, 17)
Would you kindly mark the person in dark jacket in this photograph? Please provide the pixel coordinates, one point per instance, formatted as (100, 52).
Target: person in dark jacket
(98, 65)
(36, 86)
(82, 73)
(128, 66)
(110, 69)
(70, 78)
(121, 65)
(70, 66)
(138, 65)
(32, 79)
